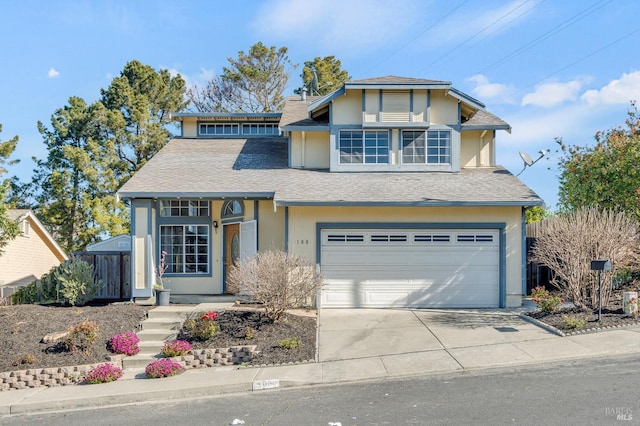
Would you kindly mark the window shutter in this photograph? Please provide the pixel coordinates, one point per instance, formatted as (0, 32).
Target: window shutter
(395, 106)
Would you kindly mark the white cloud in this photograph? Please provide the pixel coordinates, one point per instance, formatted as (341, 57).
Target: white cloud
(620, 91)
(338, 24)
(53, 73)
(551, 94)
(494, 92)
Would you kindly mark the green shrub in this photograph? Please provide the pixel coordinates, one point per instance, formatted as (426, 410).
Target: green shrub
(71, 282)
(27, 295)
(204, 327)
(290, 343)
(76, 282)
(546, 301)
(573, 322)
(82, 336)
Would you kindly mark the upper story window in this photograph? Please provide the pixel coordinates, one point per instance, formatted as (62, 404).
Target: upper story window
(184, 208)
(430, 147)
(364, 146)
(260, 129)
(238, 129)
(220, 129)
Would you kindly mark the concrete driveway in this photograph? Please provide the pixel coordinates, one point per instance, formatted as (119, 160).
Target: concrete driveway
(359, 333)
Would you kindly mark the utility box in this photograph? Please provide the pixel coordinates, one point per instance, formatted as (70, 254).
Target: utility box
(601, 265)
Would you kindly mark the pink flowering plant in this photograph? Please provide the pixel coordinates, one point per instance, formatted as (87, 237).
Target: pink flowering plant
(160, 270)
(176, 348)
(103, 373)
(125, 343)
(163, 368)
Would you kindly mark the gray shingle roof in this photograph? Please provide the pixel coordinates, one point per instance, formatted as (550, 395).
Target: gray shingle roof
(483, 118)
(393, 79)
(258, 168)
(295, 113)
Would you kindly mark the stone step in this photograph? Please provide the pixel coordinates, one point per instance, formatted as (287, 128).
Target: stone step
(157, 335)
(160, 313)
(161, 324)
(152, 347)
(139, 361)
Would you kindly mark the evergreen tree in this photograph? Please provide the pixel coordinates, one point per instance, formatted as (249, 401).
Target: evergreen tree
(253, 82)
(8, 228)
(323, 75)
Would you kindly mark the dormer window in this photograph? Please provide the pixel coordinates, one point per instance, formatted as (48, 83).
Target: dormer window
(364, 146)
(426, 147)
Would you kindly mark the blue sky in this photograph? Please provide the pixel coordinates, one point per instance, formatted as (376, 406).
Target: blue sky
(549, 68)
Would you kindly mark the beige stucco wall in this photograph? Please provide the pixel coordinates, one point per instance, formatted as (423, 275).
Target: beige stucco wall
(189, 128)
(419, 105)
(270, 227)
(477, 149)
(302, 229)
(444, 109)
(27, 258)
(270, 236)
(347, 109)
(310, 150)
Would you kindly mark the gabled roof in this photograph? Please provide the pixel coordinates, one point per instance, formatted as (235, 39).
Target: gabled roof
(21, 215)
(257, 168)
(484, 120)
(295, 115)
(393, 80)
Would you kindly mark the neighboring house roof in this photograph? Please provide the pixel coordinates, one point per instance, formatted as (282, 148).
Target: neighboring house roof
(118, 243)
(257, 168)
(295, 115)
(27, 215)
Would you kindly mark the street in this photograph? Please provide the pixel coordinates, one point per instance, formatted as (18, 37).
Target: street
(587, 392)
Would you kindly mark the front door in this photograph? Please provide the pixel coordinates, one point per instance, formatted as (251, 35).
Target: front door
(231, 249)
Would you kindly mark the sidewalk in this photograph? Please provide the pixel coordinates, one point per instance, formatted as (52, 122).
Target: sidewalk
(351, 349)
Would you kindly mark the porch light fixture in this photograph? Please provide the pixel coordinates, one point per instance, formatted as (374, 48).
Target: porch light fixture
(215, 224)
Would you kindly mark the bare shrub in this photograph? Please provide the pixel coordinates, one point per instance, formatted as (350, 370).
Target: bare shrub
(278, 280)
(567, 244)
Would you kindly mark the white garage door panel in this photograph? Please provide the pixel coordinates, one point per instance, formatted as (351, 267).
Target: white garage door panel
(453, 268)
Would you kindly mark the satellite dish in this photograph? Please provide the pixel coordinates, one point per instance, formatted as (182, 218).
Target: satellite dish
(526, 158)
(528, 161)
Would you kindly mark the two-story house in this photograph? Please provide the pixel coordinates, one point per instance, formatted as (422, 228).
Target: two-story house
(389, 185)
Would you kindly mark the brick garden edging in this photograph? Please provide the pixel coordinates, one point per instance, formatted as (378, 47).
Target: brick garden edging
(202, 358)
(49, 377)
(64, 376)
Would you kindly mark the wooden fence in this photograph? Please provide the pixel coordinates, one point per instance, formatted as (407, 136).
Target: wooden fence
(114, 269)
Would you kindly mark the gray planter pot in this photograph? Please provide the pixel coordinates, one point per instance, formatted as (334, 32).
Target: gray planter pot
(162, 297)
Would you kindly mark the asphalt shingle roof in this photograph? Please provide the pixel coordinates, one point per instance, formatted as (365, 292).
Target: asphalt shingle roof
(258, 168)
(295, 113)
(393, 79)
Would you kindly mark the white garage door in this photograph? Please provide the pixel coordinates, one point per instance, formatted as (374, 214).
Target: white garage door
(410, 268)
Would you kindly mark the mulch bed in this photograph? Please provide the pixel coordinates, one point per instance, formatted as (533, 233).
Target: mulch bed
(24, 327)
(264, 333)
(612, 315)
